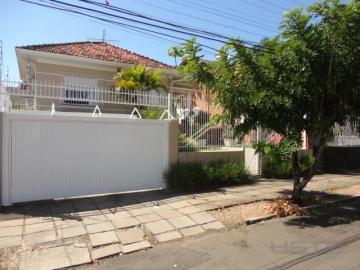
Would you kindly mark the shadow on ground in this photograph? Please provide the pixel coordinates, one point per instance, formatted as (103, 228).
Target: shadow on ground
(341, 213)
(65, 208)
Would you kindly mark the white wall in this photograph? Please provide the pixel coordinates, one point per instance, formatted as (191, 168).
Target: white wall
(63, 156)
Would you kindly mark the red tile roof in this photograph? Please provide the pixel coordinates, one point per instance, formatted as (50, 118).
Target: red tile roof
(98, 50)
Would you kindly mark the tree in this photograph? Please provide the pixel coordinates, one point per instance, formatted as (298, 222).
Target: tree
(306, 78)
(175, 52)
(139, 78)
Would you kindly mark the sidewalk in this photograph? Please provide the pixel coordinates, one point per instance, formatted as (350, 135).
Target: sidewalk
(71, 232)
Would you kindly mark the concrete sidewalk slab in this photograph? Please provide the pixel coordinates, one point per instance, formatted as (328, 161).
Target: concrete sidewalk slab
(160, 226)
(105, 251)
(103, 238)
(130, 236)
(54, 258)
(135, 247)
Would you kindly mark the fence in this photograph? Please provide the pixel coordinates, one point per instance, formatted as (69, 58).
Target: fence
(346, 135)
(197, 131)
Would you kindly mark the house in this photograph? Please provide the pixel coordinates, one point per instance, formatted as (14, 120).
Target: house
(76, 76)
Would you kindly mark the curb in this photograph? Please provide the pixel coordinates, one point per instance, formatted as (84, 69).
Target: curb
(259, 219)
(264, 218)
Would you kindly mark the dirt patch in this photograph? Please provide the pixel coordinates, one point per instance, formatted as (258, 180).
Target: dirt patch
(348, 191)
(238, 214)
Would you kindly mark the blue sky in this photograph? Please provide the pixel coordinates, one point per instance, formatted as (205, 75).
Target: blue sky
(25, 24)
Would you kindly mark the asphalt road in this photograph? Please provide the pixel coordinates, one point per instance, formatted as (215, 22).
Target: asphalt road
(328, 239)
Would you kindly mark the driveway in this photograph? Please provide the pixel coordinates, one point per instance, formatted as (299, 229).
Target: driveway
(328, 239)
(57, 234)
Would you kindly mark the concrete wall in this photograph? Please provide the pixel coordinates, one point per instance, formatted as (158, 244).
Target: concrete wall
(209, 156)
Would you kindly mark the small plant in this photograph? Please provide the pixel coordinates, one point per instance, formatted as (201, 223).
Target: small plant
(194, 176)
(151, 113)
(278, 162)
(186, 176)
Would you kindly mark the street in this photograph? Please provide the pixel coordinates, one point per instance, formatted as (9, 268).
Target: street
(328, 239)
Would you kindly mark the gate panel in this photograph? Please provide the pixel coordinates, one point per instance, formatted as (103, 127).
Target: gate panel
(62, 156)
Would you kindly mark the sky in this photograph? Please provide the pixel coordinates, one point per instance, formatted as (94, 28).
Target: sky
(251, 20)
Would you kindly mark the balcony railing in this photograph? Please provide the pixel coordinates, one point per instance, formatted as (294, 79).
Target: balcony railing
(84, 95)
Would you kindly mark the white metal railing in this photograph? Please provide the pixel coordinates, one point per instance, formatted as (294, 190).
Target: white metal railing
(196, 130)
(83, 95)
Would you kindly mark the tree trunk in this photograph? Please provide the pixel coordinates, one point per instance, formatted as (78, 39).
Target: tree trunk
(296, 193)
(300, 184)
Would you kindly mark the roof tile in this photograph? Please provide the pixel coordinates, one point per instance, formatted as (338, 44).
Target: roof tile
(98, 50)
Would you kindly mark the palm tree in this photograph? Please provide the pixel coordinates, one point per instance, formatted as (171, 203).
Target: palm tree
(175, 52)
(139, 78)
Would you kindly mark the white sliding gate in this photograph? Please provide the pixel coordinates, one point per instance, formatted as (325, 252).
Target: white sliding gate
(48, 157)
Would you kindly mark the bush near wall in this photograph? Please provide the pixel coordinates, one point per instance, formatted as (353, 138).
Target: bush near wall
(280, 169)
(194, 176)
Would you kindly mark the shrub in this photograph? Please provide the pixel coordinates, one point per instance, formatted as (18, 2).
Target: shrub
(283, 169)
(195, 176)
(151, 113)
(186, 176)
(278, 164)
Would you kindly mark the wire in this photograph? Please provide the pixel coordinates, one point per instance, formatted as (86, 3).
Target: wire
(273, 4)
(220, 14)
(259, 6)
(197, 17)
(116, 23)
(128, 25)
(237, 11)
(128, 12)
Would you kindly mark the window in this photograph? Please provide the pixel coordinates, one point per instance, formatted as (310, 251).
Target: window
(79, 90)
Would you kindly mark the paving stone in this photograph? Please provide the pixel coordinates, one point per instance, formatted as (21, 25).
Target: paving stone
(125, 223)
(182, 222)
(90, 213)
(208, 206)
(130, 236)
(168, 236)
(60, 223)
(54, 258)
(93, 219)
(104, 238)
(213, 225)
(194, 230)
(118, 215)
(141, 211)
(11, 223)
(179, 204)
(168, 213)
(11, 231)
(148, 218)
(202, 217)
(159, 226)
(100, 227)
(135, 247)
(12, 241)
(39, 237)
(105, 251)
(35, 220)
(39, 227)
(189, 210)
(69, 232)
